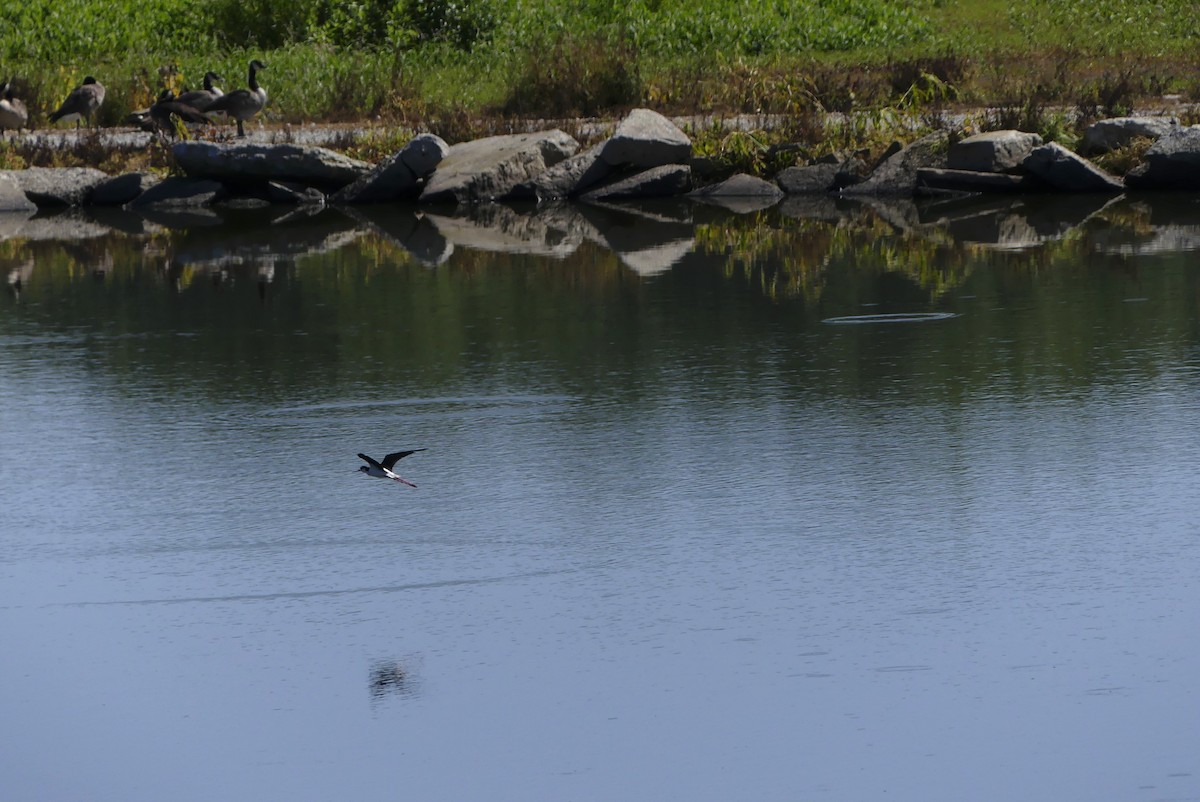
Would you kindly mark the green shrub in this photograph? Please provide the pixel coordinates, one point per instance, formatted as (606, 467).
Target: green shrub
(576, 75)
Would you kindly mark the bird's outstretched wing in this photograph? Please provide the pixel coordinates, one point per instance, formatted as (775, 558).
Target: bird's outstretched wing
(370, 461)
(392, 459)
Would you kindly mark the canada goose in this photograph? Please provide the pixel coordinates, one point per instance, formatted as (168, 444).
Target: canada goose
(82, 103)
(242, 104)
(166, 107)
(201, 99)
(13, 113)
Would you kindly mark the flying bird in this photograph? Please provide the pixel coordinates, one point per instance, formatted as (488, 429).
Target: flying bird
(383, 470)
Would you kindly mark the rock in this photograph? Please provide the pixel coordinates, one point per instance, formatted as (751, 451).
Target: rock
(490, 168)
(12, 197)
(179, 193)
(424, 153)
(1106, 135)
(121, 189)
(566, 179)
(974, 181)
(740, 193)
(891, 151)
(1064, 171)
(645, 138)
(658, 182)
(56, 186)
(1173, 162)
(897, 175)
(242, 163)
(399, 176)
(992, 152)
(740, 186)
(822, 176)
(811, 179)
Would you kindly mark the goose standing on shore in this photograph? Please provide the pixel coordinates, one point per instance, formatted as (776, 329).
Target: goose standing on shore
(13, 113)
(242, 104)
(82, 103)
(201, 99)
(166, 107)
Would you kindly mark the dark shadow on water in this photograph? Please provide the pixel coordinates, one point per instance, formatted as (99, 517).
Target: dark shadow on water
(393, 679)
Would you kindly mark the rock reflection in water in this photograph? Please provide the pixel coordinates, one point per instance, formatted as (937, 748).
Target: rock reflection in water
(787, 249)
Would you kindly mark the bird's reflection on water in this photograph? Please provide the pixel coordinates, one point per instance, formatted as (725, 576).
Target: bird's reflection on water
(392, 679)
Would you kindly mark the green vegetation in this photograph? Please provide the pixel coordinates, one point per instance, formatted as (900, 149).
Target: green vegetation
(462, 68)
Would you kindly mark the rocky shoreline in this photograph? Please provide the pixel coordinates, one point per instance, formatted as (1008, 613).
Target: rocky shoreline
(647, 156)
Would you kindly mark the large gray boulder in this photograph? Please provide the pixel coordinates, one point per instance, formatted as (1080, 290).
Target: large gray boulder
(121, 189)
(12, 197)
(250, 163)
(398, 177)
(830, 173)
(56, 186)
(1173, 162)
(897, 175)
(488, 169)
(740, 193)
(424, 153)
(666, 181)
(809, 179)
(975, 181)
(992, 151)
(1106, 135)
(1063, 170)
(645, 138)
(568, 178)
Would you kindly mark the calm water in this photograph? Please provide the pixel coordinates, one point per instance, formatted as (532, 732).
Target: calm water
(675, 536)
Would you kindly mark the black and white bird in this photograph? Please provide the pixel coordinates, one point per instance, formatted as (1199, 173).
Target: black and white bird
(13, 113)
(383, 470)
(242, 104)
(82, 103)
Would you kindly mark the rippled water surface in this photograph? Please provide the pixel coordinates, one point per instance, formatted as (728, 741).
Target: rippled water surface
(676, 536)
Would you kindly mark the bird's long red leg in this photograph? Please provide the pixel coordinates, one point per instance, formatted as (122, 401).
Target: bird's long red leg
(405, 481)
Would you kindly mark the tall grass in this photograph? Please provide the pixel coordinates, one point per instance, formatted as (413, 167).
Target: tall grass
(418, 60)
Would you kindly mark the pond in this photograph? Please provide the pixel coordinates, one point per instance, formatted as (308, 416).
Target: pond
(830, 500)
